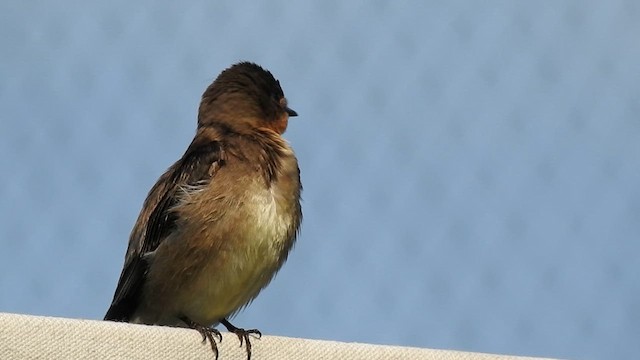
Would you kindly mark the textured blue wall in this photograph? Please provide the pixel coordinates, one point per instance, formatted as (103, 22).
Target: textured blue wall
(471, 170)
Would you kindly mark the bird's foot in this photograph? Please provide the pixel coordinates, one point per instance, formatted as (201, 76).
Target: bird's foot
(208, 333)
(242, 334)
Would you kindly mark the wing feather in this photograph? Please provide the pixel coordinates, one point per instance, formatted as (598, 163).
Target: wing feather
(157, 221)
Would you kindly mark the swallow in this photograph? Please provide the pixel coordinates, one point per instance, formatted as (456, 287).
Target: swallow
(220, 222)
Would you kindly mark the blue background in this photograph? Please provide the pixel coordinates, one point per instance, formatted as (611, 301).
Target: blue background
(471, 169)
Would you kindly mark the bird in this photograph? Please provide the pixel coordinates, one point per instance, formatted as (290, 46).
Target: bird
(220, 222)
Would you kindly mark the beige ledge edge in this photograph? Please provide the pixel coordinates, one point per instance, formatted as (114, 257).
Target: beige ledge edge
(39, 337)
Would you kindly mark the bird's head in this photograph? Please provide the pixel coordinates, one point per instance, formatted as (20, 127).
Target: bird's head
(244, 97)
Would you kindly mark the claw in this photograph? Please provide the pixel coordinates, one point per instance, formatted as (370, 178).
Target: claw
(207, 333)
(242, 334)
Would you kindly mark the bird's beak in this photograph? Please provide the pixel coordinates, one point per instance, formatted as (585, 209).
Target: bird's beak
(291, 112)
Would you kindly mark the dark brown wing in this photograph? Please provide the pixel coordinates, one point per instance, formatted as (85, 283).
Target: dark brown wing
(156, 221)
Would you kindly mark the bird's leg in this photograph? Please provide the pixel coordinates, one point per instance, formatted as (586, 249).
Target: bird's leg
(207, 333)
(242, 334)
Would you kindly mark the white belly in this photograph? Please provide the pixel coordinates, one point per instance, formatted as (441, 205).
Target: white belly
(250, 263)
